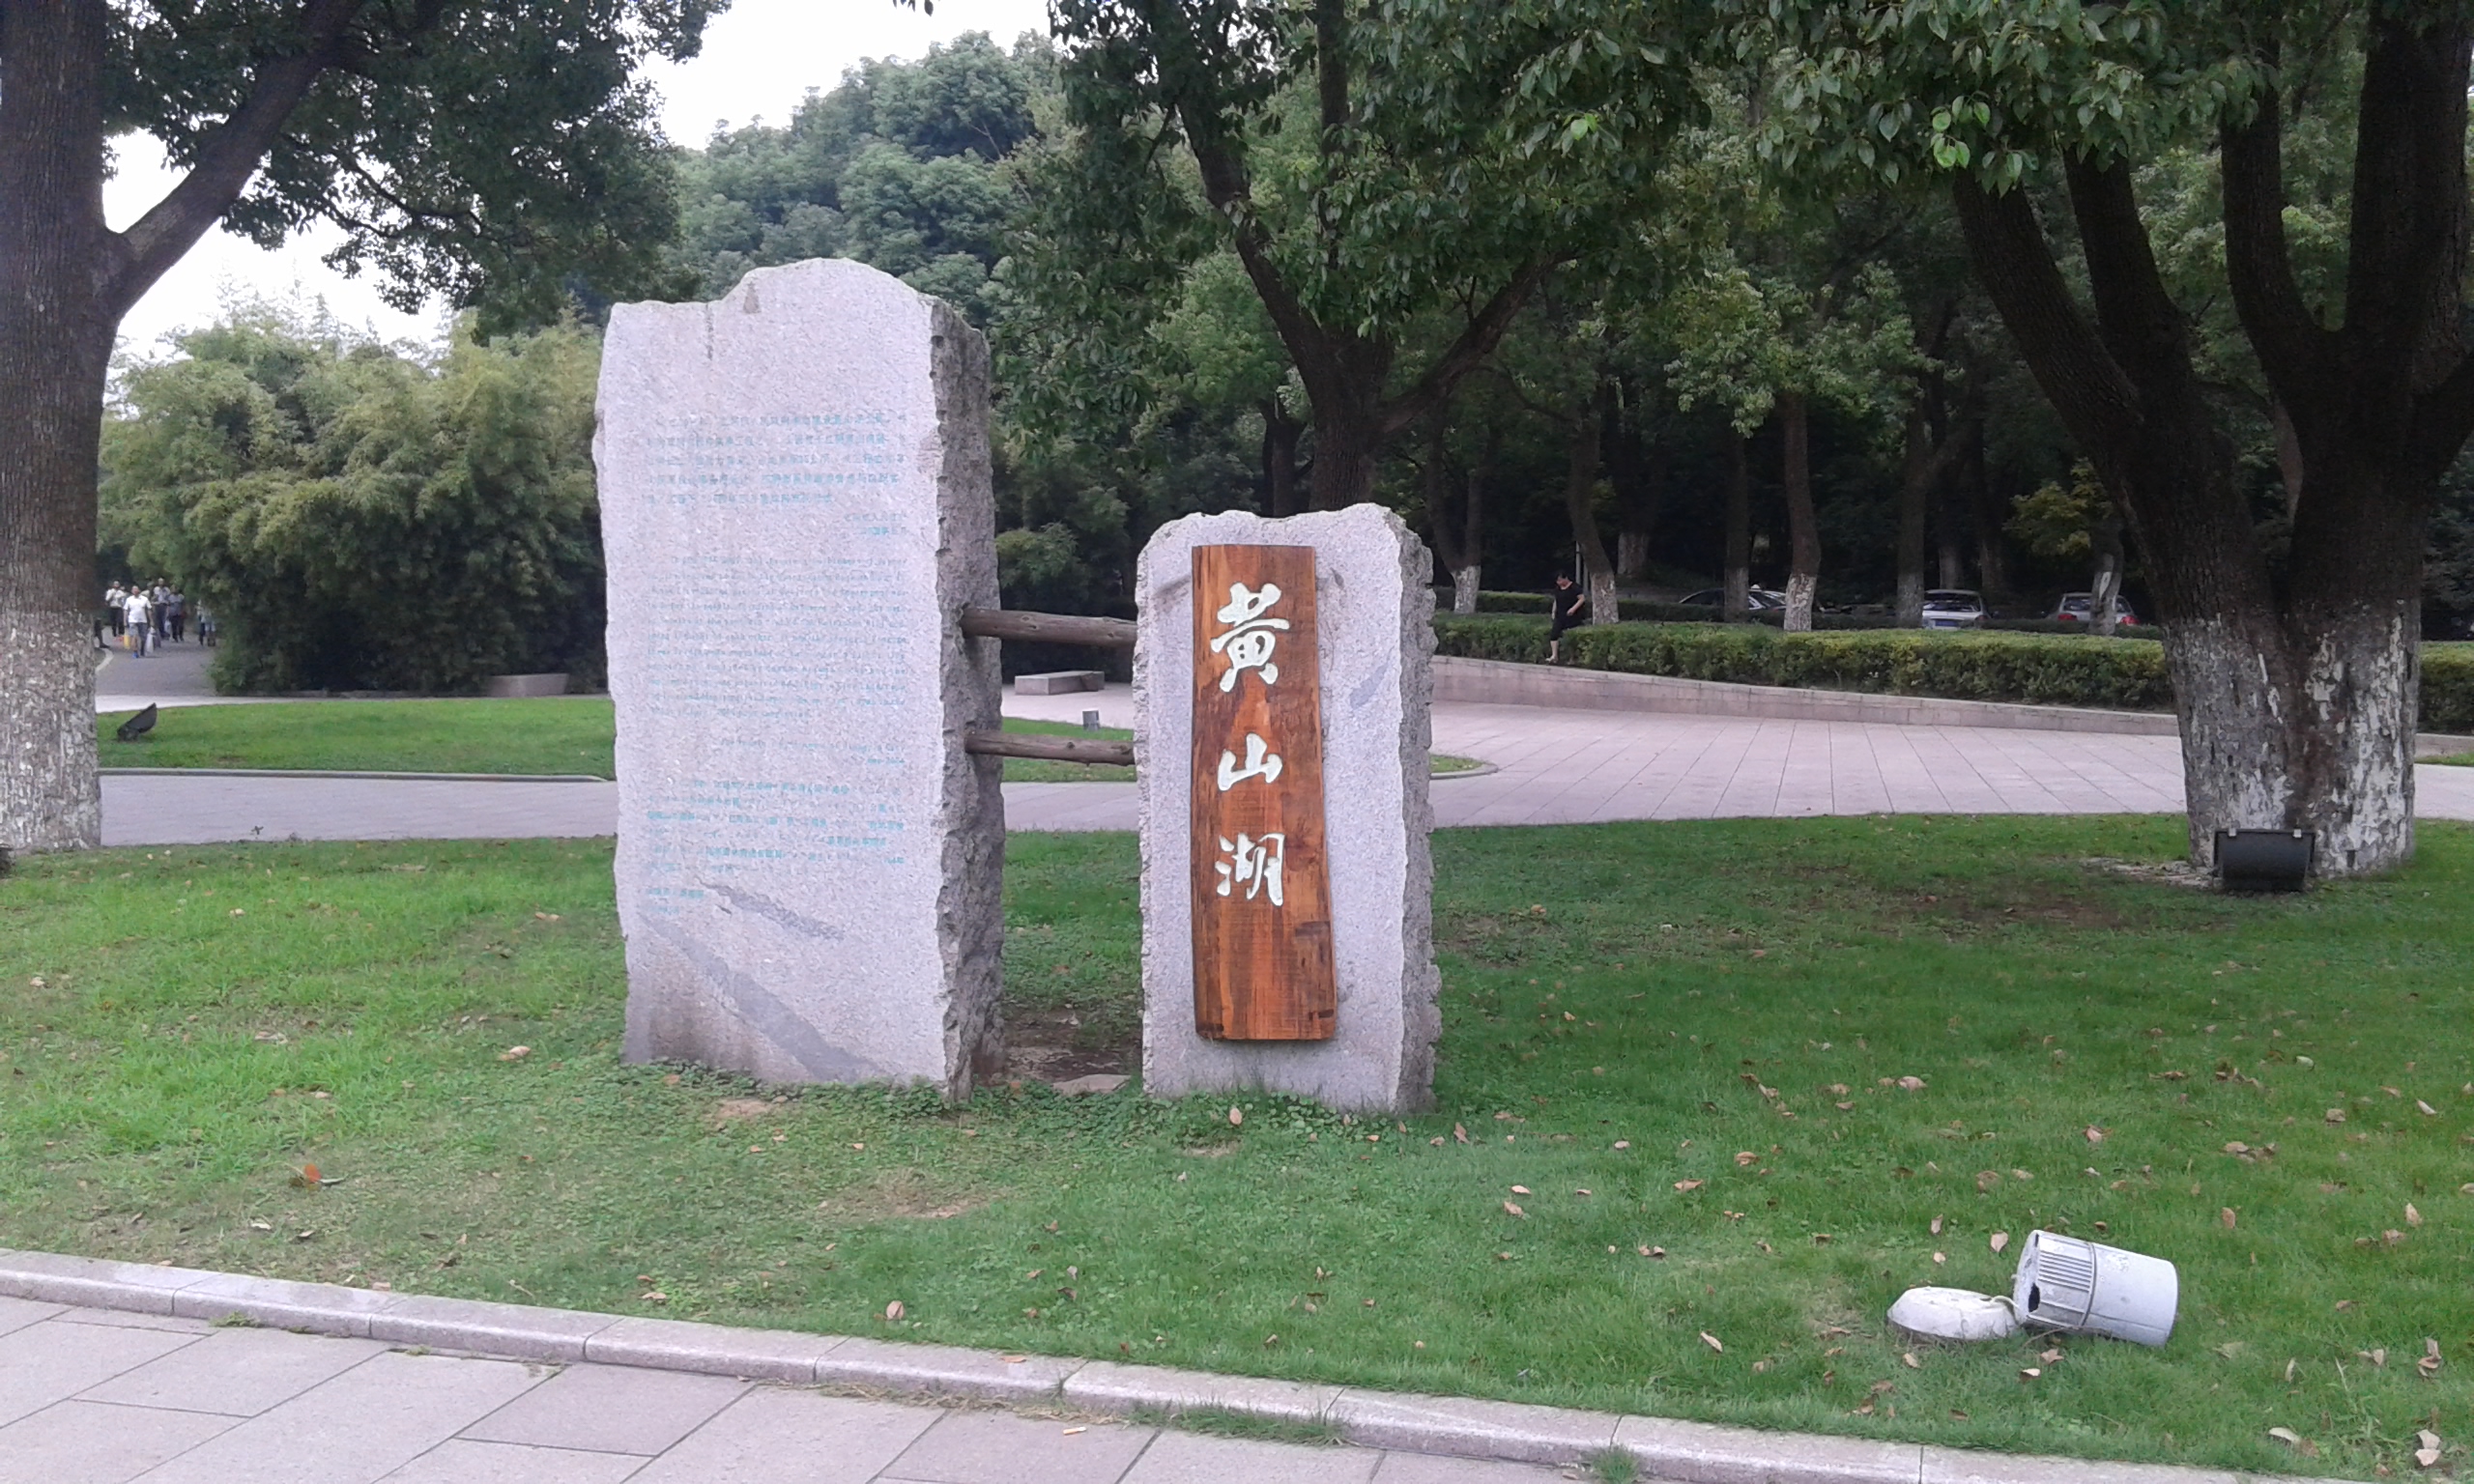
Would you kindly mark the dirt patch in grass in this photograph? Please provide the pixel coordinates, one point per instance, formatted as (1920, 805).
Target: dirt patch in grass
(900, 1195)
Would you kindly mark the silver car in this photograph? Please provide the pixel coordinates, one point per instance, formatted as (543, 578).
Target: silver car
(1953, 607)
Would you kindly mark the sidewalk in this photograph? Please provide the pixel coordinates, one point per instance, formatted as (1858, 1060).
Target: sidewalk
(1552, 767)
(113, 1372)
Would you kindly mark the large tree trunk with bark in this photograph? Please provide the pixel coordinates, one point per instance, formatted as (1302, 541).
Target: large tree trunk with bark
(56, 326)
(2297, 705)
(1637, 465)
(1803, 529)
(1735, 582)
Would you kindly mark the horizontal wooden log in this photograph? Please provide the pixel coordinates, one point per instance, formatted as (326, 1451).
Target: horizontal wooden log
(1016, 744)
(1048, 628)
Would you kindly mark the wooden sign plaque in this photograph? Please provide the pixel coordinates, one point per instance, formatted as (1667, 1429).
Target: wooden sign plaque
(1262, 895)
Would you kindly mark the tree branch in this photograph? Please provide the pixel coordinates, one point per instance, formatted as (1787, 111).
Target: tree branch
(2006, 244)
(2296, 352)
(232, 152)
(2141, 327)
(1476, 342)
(1226, 186)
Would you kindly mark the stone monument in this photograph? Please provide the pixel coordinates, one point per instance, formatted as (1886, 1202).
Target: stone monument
(795, 509)
(1282, 680)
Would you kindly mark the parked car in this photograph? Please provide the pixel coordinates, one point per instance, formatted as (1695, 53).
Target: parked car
(1953, 607)
(2080, 608)
(1756, 600)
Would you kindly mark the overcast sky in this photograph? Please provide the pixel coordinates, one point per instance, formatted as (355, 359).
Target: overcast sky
(760, 59)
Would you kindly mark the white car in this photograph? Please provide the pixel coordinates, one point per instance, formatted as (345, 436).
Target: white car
(1953, 607)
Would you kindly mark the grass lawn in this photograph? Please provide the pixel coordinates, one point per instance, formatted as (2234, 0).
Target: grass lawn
(549, 734)
(546, 734)
(1683, 1043)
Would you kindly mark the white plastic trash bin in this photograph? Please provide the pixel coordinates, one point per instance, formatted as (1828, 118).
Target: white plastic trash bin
(2064, 1283)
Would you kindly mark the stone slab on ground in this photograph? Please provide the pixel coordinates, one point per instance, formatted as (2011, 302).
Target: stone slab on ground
(1373, 612)
(1060, 682)
(795, 511)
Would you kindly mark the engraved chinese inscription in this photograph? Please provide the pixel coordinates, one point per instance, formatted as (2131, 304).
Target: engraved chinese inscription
(1262, 929)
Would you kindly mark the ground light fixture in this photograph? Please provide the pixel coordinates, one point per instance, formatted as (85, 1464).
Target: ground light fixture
(2264, 860)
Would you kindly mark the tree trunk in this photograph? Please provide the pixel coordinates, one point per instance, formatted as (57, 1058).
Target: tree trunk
(1990, 512)
(1915, 498)
(1580, 483)
(1348, 441)
(2104, 601)
(56, 326)
(1803, 533)
(1473, 535)
(1281, 433)
(1637, 465)
(1736, 582)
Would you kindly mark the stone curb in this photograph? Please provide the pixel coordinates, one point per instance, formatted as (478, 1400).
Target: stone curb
(412, 777)
(1662, 1448)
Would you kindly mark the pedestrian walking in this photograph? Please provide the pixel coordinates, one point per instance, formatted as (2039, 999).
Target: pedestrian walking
(179, 617)
(141, 624)
(115, 600)
(206, 630)
(1565, 602)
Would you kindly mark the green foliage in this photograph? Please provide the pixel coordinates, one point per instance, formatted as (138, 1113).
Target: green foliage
(2058, 520)
(899, 167)
(2047, 670)
(360, 519)
(504, 161)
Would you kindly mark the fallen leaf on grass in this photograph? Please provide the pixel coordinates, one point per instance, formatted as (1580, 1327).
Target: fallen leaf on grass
(1520, 1190)
(2049, 1356)
(652, 1296)
(1939, 1258)
(1511, 1209)
(1690, 1184)
(2425, 1108)
(1711, 1340)
(1236, 1116)
(2095, 1135)
(2000, 1240)
(2429, 1364)
(1459, 1134)
(1908, 1359)
(1623, 1143)
(2031, 1373)
(515, 1053)
(2336, 1115)
(893, 1311)
(2228, 1217)
(2413, 1218)
(1986, 1179)
(2294, 1441)
(1653, 1252)
(1744, 1157)
(1912, 1084)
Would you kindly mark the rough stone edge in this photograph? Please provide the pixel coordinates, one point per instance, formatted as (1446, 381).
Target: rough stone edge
(970, 916)
(1420, 977)
(1687, 1452)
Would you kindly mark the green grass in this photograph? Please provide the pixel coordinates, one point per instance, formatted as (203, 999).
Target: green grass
(165, 1066)
(556, 734)
(549, 734)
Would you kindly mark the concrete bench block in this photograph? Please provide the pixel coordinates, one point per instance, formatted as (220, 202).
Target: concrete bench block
(1059, 682)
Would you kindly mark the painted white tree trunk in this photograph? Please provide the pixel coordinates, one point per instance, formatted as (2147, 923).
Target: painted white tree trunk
(1799, 604)
(2329, 749)
(1602, 605)
(1464, 589)
(51, 797)
(2104, 611)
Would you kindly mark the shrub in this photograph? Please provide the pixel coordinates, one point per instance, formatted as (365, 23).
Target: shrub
(2057, 670)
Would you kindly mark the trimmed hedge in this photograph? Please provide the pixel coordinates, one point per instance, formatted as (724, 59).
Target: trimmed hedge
(2068, 671)
(1642, 611)
(2448, 687)
(2055, 670)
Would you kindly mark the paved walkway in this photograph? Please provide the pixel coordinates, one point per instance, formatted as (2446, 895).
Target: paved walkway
(101, 1396)
(1552, 767)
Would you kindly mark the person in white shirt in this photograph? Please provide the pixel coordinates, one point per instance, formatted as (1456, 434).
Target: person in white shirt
(141, 624)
